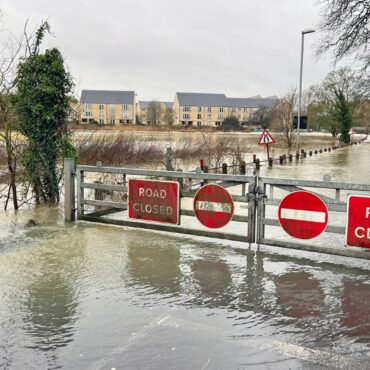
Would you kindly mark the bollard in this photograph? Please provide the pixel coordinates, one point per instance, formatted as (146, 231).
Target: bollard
(224, 168)
(254, 158)
(242, 168)
(258, 164)
(201, 164)
(304, 154)
(297, 155)
(310, 153)
(325, 150)
(315, 151)
(302, 151)
(271, 161)
(69, 189)
(320, 150)
(329, 149)
(281, 159)
(290, 157)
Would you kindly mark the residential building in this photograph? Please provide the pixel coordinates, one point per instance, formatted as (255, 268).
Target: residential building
(203, 109)
(108, 107)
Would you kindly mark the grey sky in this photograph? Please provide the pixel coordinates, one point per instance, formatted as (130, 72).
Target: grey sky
(157, 47)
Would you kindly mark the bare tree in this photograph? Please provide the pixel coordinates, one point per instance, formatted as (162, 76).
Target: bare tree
(345, 27)
(282, 116)
(168, 116)
(153, 113)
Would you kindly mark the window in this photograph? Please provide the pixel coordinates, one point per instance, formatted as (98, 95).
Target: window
(209, 123)
(199, 123)
(101, 113)
(221, 109)
(209, 115)
(112, 121)
(186, 116)
(199, 109)
(199, 116)
(84, 120)
(233, 110)
(124, 107)
(101, 106)
(245, 109)
(87, 106)
(217, 123)
(112, 111)
(101, 121)
(221, 116)
(88, 114)
(186, 109)
(209, 109)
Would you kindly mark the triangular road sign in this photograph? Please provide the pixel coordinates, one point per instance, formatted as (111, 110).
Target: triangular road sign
(266, 138)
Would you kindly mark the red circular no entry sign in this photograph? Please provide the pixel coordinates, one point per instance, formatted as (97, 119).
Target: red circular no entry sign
(303, 215)
(213, 206)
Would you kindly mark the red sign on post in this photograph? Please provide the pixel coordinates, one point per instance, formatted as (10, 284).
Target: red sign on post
(153, 200)
(213, 206)
(303, 215)
(266, 138)
(358, 221)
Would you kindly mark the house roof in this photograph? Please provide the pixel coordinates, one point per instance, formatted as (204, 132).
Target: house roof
(145, 104)
(201, 99)
(251, 102)
(107, 97)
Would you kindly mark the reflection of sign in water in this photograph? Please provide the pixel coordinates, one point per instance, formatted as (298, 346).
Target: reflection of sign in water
(358, 221)
(153, 200)
(213, 206)
(266, 138)
(303, 215)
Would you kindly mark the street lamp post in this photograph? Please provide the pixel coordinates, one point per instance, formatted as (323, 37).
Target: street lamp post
(300, 86)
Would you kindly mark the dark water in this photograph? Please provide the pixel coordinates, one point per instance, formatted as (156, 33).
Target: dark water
(86, 296)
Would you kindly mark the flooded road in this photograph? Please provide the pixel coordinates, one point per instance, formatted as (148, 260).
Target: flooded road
(87, 296)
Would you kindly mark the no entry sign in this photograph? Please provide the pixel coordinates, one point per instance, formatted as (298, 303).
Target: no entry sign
(153, 200)
(358, 221)
(303, 215)
(213, 206)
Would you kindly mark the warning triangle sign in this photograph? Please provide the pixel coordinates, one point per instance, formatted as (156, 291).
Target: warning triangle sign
(266, 138)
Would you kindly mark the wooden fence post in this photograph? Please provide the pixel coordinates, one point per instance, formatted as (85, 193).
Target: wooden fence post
(69, 189)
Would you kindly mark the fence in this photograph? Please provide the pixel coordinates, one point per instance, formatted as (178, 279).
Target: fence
(102, 196)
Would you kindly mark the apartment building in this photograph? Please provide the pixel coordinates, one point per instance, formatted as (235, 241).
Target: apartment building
(154, 112)
(108, 107)
(203, 109)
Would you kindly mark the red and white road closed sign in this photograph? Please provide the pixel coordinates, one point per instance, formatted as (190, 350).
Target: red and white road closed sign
(358, 221)
(213, 206)
(153, 200)
(303, 215)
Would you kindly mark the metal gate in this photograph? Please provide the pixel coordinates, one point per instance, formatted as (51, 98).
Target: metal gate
(102, 196)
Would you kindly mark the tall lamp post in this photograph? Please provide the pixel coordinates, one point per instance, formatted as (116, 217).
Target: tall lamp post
(300, 86)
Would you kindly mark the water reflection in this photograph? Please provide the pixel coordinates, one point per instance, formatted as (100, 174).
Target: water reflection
(299, 294)
(356, 308)
(155, 266)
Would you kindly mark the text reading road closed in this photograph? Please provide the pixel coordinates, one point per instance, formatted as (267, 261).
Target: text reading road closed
(358, 221)
(154, 200)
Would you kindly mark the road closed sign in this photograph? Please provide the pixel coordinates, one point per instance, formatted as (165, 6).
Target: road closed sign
(153, 200)
(358, 221)
(303, 215)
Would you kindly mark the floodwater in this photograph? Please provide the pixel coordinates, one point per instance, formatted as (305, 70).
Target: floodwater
(87, 296)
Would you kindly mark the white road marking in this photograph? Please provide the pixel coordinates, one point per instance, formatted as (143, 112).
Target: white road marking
(302, 215)
(213, 206)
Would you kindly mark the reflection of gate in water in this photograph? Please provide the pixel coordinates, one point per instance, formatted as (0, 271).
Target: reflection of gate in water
(256, 200)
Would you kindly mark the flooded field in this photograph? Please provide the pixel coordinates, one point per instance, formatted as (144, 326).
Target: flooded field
(87, 296)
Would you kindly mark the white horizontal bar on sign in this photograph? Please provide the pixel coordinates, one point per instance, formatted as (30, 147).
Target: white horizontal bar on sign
(213, 206)
(302, 215)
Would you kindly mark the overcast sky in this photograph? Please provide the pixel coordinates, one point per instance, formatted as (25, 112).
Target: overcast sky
(157, 47)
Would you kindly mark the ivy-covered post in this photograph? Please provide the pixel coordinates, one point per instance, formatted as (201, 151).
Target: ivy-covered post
(42, 102)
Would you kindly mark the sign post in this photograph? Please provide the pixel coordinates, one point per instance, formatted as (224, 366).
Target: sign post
(213, 206)
(266, 139)
(303, 215)
(153, 200)
(358, 221)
